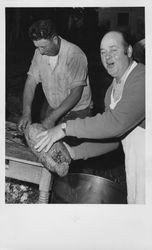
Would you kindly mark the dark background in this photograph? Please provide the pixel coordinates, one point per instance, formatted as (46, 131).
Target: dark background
(84, 27)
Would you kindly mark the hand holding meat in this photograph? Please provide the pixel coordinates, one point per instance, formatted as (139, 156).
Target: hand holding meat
(48, 138)
(57, 159)
(24, 121)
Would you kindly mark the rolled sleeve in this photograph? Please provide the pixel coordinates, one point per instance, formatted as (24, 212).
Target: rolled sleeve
(34, 68)
(78, 70)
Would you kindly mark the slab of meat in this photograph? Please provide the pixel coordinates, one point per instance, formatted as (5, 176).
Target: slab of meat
(58, 152)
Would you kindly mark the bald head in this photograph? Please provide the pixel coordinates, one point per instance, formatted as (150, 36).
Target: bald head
(116, 36)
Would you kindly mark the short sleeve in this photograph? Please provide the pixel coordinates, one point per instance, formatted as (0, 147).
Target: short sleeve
(34, 68)
(77, 70)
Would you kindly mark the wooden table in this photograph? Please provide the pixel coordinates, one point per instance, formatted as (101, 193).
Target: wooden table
(22, 164)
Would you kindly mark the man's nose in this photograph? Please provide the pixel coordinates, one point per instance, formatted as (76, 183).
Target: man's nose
(108, 55)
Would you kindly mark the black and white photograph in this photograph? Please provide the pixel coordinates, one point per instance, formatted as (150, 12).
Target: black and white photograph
(75, 123)
(63, 65)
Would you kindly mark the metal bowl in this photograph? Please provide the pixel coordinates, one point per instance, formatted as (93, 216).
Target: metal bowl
(86, 189)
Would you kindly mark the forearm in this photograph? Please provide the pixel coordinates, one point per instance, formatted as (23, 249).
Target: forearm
(128, 113)
(28, 95)
(101, 126)
(89, 150)
(67, 104)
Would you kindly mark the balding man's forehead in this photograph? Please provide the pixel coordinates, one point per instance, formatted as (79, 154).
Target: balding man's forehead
(112, 37)
(113, 33)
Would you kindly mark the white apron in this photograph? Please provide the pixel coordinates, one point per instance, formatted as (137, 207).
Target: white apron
(134, 149)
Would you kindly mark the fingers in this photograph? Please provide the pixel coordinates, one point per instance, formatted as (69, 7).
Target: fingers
(48, 146)
(20, 124)
(46, 142)
(26, 124)
(50, 136)
(42, 134)
(42, 143)
(19, 127)
(23, 124)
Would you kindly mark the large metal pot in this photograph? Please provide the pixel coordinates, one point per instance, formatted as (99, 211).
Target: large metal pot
(85, 188)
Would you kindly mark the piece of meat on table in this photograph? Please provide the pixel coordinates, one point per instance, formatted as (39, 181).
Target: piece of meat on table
(58, 152)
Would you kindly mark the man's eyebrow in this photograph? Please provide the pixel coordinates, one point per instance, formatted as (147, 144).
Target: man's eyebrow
(41, 46)
(112, 46)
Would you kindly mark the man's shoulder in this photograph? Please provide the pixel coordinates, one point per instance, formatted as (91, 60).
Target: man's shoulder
(71, 47)
(137, 72)
(136, 78)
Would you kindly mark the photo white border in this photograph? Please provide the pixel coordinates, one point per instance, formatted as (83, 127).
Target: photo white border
(77, 226)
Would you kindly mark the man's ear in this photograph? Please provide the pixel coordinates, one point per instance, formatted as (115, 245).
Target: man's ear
(129, 51)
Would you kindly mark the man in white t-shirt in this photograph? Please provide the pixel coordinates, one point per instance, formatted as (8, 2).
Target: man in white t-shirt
(62, 69)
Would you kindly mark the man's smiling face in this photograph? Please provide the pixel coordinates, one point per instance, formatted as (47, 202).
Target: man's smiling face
(113, 55)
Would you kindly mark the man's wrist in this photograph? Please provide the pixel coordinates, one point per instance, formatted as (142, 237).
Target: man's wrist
(26, 112)
(26, 115)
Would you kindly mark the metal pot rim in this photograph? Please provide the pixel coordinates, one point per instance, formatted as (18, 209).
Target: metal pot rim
(116, 185)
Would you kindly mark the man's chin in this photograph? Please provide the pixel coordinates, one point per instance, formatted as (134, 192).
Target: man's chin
(111, 72)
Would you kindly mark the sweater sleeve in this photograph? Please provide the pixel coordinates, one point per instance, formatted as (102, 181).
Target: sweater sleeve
(128, 113)
(89, 150)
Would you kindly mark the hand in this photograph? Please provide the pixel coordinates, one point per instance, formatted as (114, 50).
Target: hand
(24, 122)
(70, 150)
(49, 137)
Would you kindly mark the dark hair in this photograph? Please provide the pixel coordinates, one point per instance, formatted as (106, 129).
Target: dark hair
(42, 29)
(128, 39)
